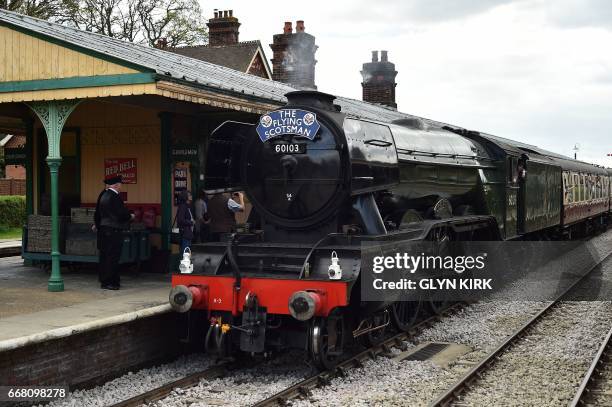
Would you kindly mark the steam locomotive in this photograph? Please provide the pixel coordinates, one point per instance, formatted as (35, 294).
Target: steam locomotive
(321, 182)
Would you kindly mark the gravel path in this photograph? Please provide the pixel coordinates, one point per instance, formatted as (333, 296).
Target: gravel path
(245, 387)
(134, 383)
(545, 367)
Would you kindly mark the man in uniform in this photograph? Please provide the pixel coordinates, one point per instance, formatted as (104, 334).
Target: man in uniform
(111, 218)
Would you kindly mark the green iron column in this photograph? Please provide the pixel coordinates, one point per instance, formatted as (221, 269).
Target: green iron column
(166, 179)
(53, 115)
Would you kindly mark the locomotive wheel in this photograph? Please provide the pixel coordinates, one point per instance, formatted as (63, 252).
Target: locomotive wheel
(322, 354)
(405, 313)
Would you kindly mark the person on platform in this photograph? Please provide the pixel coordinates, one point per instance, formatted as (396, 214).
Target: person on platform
(185, 220)
(202, 218)
(222, 209)
(111, 218)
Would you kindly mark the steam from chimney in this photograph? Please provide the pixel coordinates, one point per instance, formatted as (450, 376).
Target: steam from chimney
(288, 29)
(374, 56)
(299, 26)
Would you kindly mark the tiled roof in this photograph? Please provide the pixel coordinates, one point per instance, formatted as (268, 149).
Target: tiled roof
(236, 56)
(173, 66)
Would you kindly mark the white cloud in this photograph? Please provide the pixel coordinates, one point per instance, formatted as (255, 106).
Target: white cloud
(531, 70)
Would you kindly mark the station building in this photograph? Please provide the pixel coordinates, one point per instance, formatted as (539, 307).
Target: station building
(90, 105)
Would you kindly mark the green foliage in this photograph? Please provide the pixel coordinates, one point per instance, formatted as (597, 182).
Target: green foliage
(12, 211)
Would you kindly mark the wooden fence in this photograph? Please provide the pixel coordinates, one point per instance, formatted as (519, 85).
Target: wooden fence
(12, 187)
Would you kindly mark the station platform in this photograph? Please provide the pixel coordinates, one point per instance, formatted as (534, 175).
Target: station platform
(29, 313)
(84, 332)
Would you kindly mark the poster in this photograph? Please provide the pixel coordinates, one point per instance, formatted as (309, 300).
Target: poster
(180, 182)
(126, 167)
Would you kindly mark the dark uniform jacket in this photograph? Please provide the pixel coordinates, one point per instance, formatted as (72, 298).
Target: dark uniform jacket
(184, 221)
(111, 212)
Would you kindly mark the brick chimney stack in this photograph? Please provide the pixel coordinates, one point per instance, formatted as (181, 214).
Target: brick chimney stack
(293, 60)
(223, 28)
(379, 80)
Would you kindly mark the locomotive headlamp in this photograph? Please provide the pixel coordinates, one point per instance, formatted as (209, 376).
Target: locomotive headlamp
(334, 271)
(186, 267)
(303, 305)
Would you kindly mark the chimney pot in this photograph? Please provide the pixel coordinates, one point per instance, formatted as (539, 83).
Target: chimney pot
(299, 26)
(288, 29)
(374, 56)
(223, 31)
(383, 56)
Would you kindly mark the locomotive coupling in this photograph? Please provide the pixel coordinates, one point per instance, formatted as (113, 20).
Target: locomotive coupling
(303, 305)
(183, 298)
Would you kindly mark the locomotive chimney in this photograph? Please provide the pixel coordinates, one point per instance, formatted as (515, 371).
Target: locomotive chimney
(293, 60)
(379, 80)
(320, 100)
(223, 28)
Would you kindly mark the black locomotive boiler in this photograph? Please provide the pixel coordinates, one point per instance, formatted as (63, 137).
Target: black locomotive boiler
(322, 181)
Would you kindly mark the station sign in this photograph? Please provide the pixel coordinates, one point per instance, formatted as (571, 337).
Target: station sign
(14, 156)
(126, 167)
(288, 121)
(184, 152)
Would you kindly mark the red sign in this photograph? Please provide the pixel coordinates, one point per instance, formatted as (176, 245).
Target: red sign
(126, 167)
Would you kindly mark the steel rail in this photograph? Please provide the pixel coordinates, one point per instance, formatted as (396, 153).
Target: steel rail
(159, 393)
(450, 395)
(590, 378)
(303, 387)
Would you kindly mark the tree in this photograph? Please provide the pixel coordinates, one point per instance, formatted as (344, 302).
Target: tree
(177, 22)
(44, 9)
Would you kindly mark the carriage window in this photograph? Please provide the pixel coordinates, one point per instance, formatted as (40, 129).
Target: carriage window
(568, 188)
(576, 186)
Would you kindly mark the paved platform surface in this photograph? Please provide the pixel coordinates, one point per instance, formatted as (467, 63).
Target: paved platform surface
(27, 308)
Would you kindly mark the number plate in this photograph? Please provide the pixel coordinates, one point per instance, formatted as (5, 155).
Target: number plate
(289, 148)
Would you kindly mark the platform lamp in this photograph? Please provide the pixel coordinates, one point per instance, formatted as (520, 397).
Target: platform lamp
(576, 149)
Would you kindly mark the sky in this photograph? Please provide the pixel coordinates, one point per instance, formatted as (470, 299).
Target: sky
(536, 71)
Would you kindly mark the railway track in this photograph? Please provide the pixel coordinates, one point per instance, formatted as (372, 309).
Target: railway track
(596, 386)
(159, 393)
(455, 394)
(303, 388)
